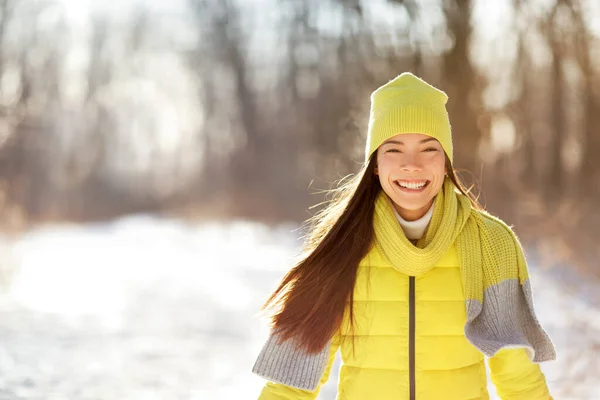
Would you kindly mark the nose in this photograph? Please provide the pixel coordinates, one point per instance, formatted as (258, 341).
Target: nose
(411, 163)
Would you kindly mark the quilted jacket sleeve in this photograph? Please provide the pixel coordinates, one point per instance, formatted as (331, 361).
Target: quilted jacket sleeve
(278, 391)
(516, 377)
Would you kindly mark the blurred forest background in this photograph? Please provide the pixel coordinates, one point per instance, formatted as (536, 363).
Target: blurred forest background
(158, 156)
(227, 109)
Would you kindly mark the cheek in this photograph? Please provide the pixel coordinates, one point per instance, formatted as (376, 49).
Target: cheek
(439, 166)
(378, 159)
(382, 166)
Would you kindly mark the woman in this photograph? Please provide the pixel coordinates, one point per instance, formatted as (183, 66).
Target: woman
(408, 276)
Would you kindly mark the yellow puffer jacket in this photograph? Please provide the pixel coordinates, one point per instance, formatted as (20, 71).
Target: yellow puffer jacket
(410, 343)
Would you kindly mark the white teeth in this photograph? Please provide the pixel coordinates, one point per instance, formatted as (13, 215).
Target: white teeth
(411, 185)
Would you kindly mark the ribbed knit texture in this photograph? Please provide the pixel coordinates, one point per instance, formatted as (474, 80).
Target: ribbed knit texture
(407, 104)
(498, 297)
(452, 212)
(282, 363)
(415, 229)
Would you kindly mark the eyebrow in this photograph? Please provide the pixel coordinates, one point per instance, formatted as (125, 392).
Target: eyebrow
(402, 143)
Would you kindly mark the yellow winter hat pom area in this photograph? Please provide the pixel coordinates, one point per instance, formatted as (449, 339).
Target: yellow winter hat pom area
(408, 104)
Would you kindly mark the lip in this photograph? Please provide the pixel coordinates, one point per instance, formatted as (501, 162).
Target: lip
(407, 190)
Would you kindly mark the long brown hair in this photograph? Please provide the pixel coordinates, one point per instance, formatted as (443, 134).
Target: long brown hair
(312, 297)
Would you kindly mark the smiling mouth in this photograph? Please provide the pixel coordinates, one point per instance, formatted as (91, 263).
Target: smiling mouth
(412, 186)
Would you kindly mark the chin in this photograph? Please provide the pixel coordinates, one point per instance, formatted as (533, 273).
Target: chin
(412, 207)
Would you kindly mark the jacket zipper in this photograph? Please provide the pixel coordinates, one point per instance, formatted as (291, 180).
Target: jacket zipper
(411, 337)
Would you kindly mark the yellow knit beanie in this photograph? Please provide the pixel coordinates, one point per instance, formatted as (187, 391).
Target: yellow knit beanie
(408, 104)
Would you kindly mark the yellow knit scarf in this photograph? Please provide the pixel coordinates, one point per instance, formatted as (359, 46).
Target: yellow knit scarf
(453, 221)
(492, 266)
(449, 218)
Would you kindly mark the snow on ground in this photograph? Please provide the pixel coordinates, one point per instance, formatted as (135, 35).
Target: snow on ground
(149, 308)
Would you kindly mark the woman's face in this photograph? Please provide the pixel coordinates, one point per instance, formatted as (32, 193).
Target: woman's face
(411, 169)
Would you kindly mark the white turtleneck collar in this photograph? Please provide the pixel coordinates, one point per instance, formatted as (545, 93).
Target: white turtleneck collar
(415, 229)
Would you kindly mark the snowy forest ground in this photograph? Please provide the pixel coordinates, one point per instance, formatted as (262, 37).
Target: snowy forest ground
(151, 308)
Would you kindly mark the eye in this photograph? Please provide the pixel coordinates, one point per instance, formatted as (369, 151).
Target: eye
(393, 151)
(431, 149)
